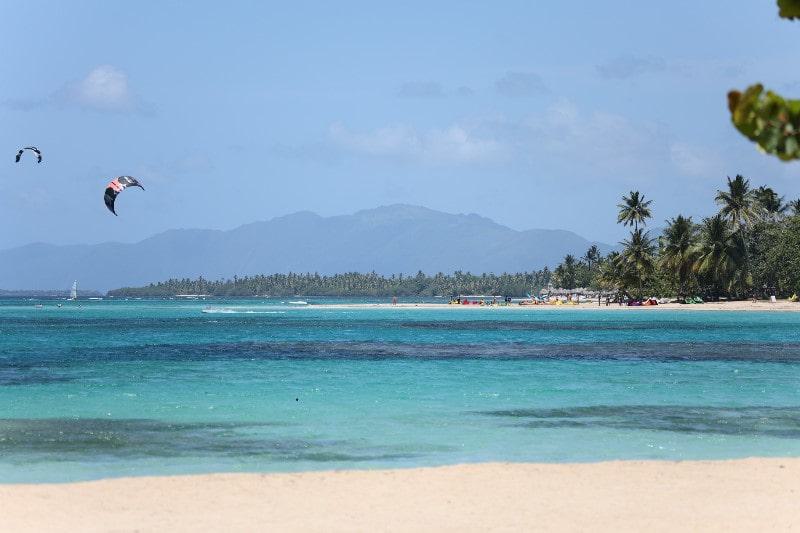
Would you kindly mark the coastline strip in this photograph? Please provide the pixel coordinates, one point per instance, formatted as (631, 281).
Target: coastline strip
(756, 494)
(782, 305)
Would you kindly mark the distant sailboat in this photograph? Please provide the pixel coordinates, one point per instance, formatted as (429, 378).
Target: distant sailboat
(73, 293)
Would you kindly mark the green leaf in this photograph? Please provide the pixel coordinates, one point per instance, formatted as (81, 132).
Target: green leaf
(789, 9)
(792, 145)
(767, 119)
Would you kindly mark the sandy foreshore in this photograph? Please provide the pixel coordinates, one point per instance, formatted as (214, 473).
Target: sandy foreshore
(737, 495)
(780, 305)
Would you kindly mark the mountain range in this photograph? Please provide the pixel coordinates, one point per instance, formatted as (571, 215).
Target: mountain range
(388, 240)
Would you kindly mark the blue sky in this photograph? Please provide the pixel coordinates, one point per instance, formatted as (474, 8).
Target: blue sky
(536, 114)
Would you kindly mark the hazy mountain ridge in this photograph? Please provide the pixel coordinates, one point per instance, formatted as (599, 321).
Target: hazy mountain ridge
(390, 239)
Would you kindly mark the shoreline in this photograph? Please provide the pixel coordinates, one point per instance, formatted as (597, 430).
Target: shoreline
(780, 305)
(726, 495)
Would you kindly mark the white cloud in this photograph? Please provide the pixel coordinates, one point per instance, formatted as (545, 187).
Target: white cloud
(608, 138)
(563, 137)
(692, 160)
(105, 88)
(594, 142)
(454, 144)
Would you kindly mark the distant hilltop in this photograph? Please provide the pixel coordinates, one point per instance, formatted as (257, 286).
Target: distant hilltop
(387, 240)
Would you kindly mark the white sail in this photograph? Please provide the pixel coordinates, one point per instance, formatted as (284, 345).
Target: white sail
(73, 293)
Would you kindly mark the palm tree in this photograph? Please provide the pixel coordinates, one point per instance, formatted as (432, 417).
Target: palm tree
(566, 272)
(634, 210)
(741, 279)
(612, 274)
(794, 206)
(771, 204)
(722, 256)
(741, 208)
(592, 256)
(637, 257)
(739, 203)
(678, 252)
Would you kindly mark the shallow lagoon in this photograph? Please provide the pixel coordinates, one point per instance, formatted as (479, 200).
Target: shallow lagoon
(118, 388)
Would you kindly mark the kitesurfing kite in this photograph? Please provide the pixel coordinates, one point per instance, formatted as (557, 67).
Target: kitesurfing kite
(116, 186)
(32, 149)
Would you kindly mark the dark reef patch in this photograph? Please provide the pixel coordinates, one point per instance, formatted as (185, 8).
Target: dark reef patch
(66, 438)
(783, 422)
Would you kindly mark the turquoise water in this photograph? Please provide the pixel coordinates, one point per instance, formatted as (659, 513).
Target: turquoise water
(119, 388)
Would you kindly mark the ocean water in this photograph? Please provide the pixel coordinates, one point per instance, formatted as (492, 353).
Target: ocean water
(119, 388)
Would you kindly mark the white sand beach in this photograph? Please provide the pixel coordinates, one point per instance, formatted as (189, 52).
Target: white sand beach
(737, 495)
(744, 305)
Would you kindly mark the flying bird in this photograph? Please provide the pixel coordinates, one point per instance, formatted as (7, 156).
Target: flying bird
(116, 186)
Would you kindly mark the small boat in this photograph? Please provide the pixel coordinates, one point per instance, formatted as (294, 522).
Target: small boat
(73, 293)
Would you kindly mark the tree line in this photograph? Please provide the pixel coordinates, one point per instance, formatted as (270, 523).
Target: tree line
(749, 248)
(348, 284)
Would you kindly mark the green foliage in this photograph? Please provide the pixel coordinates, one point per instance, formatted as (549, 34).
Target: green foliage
(566, 273)
(592, 256)
(611, 275)
(571, 273)
(722, 257)
(349, 284)
(634, 210)
(739, 204)
(777, 246)
(638, 258)
(752, 243)
(752, 246)
(770, 203)
(789, 9)
(678, 253)
(768, 120)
